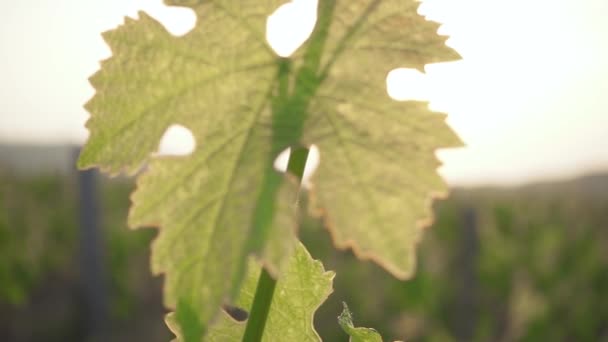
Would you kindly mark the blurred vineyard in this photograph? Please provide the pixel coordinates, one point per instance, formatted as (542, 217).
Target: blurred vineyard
(512, 264)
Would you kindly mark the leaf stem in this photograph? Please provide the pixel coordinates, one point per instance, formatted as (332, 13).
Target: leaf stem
(266, 284)
(260, 308)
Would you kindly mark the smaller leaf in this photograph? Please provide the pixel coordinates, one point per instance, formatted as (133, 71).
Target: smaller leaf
(356, 334)
(300, 290)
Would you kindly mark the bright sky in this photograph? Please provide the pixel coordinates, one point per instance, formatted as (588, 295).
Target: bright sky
(530, 98)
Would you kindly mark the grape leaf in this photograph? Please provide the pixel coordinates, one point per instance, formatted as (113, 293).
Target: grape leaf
(356, 334)
(302, 288)
(377, 173)
(218, 205)
(244, 105)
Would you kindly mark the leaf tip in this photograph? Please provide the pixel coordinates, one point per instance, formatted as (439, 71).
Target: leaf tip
(85, 159)
(345, 319)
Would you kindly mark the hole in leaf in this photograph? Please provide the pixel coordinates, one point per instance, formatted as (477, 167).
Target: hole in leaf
(280, 163)
(177, 20)
(312, 162)
(177, 141)
(290, 25)
(238, 314)
(404, 84)
(311, 165)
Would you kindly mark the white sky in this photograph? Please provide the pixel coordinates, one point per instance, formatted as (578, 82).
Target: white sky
(530, 98)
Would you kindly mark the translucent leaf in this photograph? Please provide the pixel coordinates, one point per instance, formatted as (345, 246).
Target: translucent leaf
(224, 201)
(302, 288)
(244, 105)
(377, 173)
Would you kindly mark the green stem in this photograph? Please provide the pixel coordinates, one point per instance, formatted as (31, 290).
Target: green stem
(260, 308)
(266, 284)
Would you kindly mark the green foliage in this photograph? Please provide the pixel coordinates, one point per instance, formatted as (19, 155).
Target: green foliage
(125, 252)
(357, 334)
(39, 267)
(552, 269)
(244, 105)
(35, 239)
(555, 236)
(540, 269)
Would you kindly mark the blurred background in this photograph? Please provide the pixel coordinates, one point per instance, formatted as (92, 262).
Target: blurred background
(518, 252)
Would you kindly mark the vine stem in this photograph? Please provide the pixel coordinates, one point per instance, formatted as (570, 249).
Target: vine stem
(266, 283)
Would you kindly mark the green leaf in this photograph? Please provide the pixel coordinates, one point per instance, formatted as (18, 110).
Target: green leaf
(225, 201)
(356, 334)
(302, 288)
(244, 105)
(376, 178)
